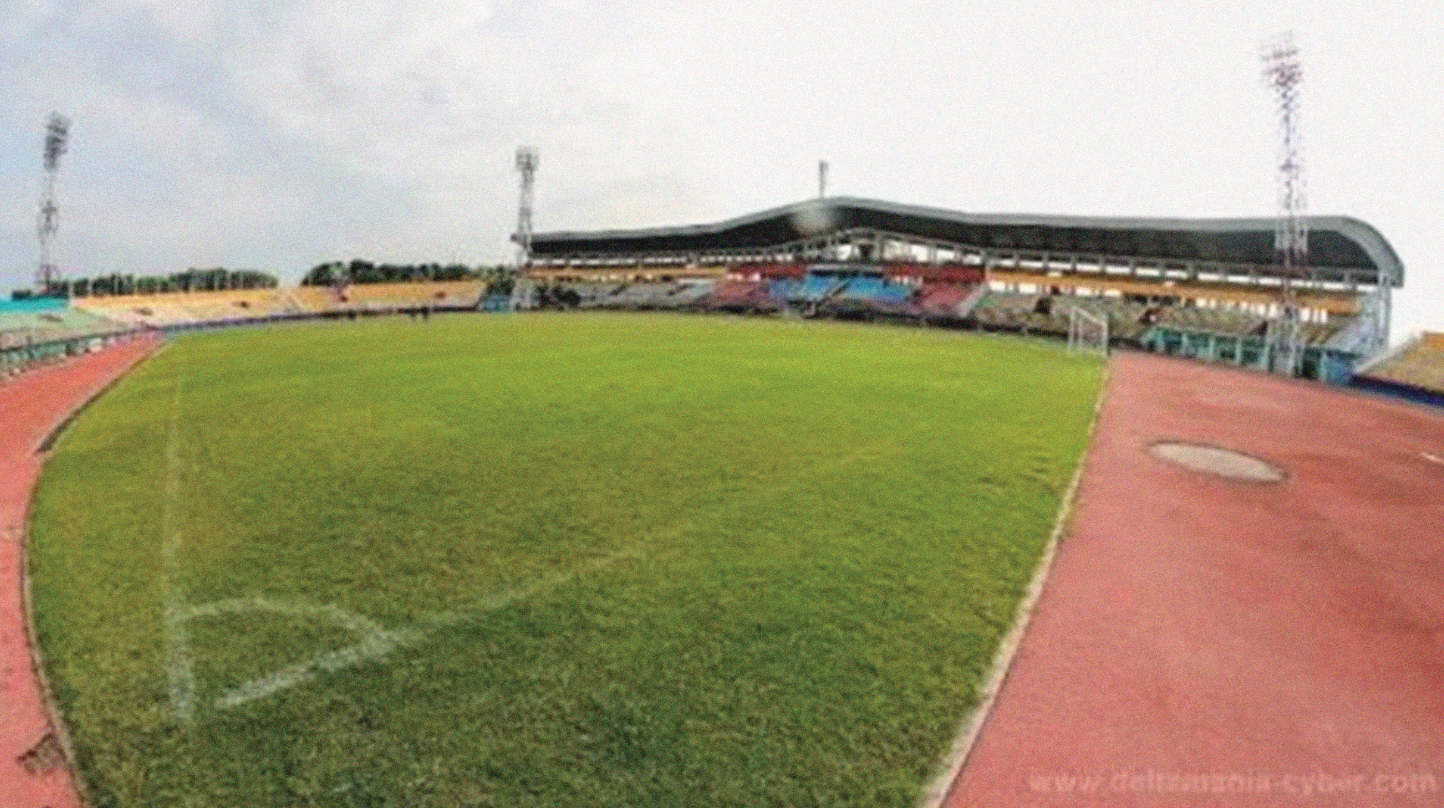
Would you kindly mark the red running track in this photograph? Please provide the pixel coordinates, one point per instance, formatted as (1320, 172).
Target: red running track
(1203, 642)
(34, 772)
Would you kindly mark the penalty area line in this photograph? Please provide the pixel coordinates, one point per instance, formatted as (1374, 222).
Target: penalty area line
(375, 641)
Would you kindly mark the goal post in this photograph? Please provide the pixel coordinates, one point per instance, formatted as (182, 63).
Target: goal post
(1087, 331)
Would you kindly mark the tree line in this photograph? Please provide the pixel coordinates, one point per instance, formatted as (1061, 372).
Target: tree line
(335, 273)
(332, 273)
(192, 280)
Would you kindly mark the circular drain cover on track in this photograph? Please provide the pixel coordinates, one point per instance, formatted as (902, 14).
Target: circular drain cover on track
(1214, 460)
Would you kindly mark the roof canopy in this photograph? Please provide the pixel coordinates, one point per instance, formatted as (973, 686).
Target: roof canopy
(1339, 247)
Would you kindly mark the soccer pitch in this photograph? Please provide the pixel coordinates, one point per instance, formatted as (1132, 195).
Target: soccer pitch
(601, 560)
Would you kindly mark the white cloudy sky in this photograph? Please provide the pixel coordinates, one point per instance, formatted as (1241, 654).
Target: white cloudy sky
(275, 135)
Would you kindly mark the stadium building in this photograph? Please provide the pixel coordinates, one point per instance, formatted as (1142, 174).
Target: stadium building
(1206, 288)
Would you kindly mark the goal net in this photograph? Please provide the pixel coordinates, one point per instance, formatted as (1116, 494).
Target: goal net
(1087, 331)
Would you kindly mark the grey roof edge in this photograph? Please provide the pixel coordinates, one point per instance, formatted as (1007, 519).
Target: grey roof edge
(1369, 239)
(1372, 242)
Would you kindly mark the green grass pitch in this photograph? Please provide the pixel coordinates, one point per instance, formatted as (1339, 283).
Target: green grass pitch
(546, 560)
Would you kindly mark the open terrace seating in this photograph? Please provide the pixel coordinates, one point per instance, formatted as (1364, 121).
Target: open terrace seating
(185, 308)
(37, 331)
(415, 294)
(1419, 363)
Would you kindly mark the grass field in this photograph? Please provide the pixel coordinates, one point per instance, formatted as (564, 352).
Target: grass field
(611, 560)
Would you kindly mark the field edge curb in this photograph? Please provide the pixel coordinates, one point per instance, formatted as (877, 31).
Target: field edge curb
(940, 786)
(59, 728)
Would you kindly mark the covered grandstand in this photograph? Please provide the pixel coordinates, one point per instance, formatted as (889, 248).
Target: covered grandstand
(1199, 287)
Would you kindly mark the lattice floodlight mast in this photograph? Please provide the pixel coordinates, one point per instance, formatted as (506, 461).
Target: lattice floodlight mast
(57, 132)
(1283, 73)
(821, 179)
(526, 165)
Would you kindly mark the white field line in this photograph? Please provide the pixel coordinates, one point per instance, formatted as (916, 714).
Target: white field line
(179, 664)
(1432, 458)
(375, 641)
(937, 790)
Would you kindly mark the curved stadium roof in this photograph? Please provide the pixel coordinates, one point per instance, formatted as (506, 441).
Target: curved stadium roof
(1337, 244)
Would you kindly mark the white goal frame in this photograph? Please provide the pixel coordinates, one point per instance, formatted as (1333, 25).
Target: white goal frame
(1087, 332)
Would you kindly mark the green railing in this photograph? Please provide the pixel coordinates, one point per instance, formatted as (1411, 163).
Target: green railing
(1319, 363)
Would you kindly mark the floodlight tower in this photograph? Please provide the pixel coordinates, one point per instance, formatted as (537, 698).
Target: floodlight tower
(57, 132)
(1283, 73)
(526, 165)
(821, 179)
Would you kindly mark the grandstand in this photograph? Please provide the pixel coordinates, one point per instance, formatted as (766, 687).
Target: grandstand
(393, 297)
(1201, 288)
(44, 329)
(742, 297)
(1205, 288)
(1414, 370)
(45, 319)
(173, 309)
(229, 307)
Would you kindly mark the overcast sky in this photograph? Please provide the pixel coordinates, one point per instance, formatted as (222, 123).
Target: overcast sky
(275, 135)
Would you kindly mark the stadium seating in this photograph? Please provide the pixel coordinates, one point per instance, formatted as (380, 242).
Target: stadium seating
(685, 295)
(25, 327)
(314, 300)
(785, 288)
(184, 309)
(398, 296)
(187, 308)
(33, 331)
(645, 295)
(1418, 363)
(1017, 311)
(868, 295)
(1215, 320)
(946, 301)
(1029, 312)
(817, 287)
(589, 293)
(740, 296)
(768, 272)
(1128, 320)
